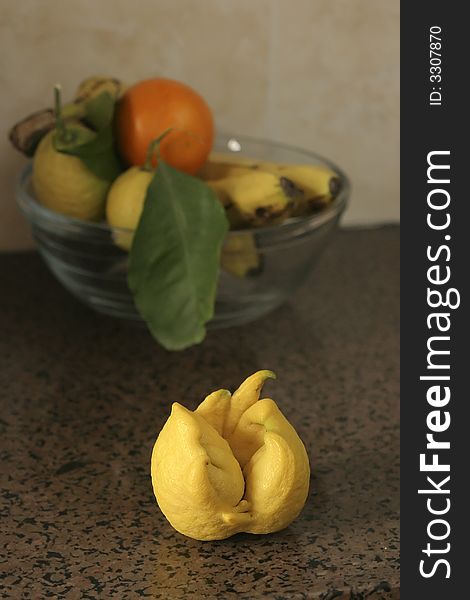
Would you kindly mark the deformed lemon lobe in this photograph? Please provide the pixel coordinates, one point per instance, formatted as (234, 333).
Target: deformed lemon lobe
(244, 397)
(214, 409)
(198, 458)
(195, 476)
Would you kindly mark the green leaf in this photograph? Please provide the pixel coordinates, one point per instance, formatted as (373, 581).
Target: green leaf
(98, 154)
(174, 259)
(99, 111)
(95, 148)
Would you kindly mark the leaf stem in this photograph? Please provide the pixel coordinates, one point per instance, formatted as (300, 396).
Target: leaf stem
(153, 148)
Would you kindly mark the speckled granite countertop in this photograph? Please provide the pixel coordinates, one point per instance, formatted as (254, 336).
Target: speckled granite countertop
(83, 398)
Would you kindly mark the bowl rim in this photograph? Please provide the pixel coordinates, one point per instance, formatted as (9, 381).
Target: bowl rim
(32, 208)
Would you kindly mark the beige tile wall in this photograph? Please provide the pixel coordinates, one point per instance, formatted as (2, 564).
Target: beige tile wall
(322, 74)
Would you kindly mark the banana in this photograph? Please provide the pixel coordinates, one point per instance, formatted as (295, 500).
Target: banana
(234, 159)
(234, 217)
(219, 166)
(93, 86)
(319, 185)
(27, 133)
(213, 171)
(256, 198)
(240, 257)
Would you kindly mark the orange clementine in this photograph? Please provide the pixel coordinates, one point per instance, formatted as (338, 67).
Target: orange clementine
(152, 106)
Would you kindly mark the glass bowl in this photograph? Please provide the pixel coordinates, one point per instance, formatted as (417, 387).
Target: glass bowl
(85, 260)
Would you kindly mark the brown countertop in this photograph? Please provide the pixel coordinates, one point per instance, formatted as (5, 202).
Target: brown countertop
(83, 397)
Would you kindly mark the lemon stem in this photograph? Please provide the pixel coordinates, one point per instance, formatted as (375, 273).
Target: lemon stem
(60, 124)
(153, 149)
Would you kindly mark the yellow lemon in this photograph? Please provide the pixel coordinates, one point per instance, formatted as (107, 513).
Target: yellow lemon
(125, 203)
(234, 464)
(63, 183)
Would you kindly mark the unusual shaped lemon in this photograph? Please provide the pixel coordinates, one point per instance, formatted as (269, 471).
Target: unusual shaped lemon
(234, 464)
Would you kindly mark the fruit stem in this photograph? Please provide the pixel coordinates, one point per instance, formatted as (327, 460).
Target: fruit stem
(62, 131)
(154, 148)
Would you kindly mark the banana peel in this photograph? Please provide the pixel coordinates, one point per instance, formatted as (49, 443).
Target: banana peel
(233, 465)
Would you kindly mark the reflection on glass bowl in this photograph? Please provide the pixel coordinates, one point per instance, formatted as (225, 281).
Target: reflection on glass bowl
(252, 282)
